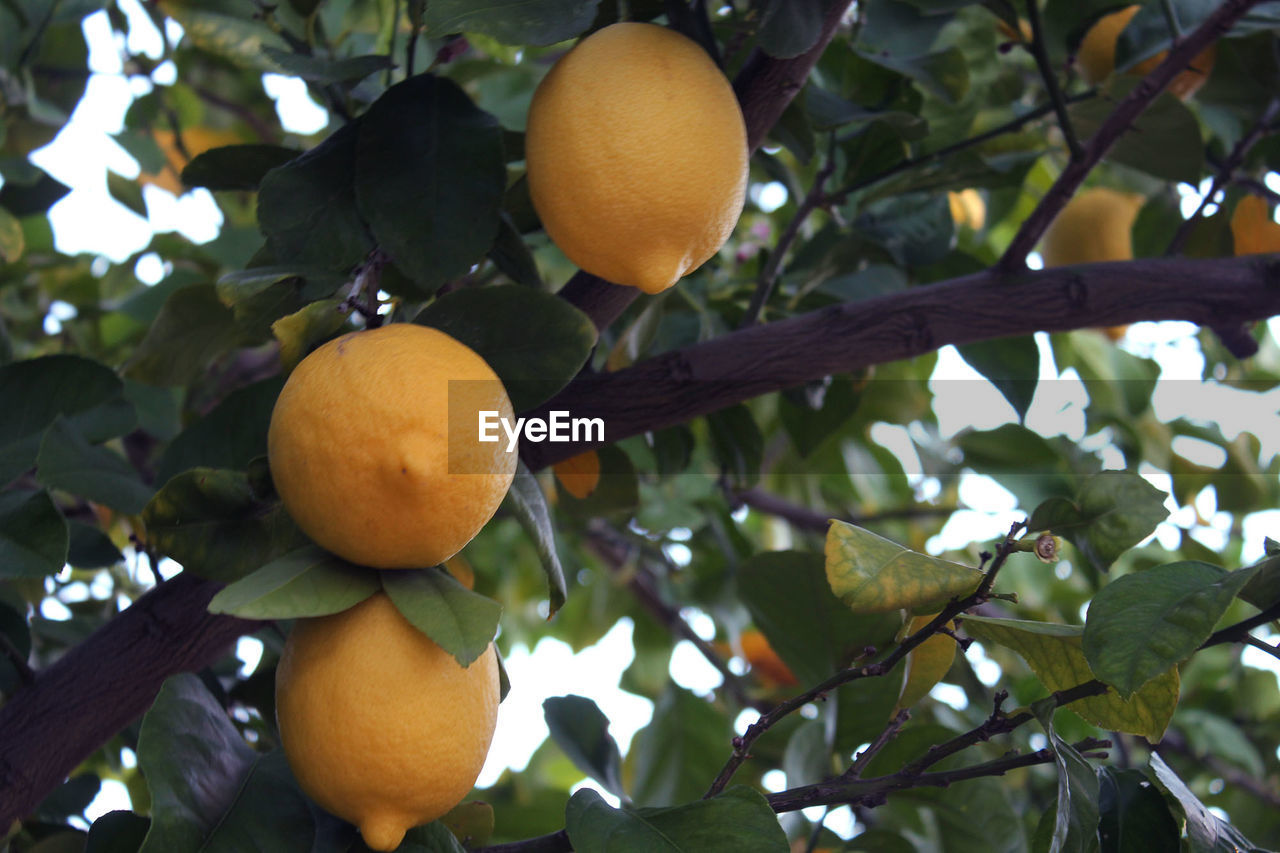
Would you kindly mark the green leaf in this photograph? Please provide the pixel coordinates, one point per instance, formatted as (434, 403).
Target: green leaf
(307, 207)
(1010, 364)
(917, 229)
(430, 175)
(460, 621)
(68, 462)
(211, 522)
(33, 535)
(232, 433)
(235, 167)
(1208, 733)
(117, 832)
(1132, 814)
(791, 602)
(1163, 142)
(1112, 511)
(1076, 820)
(38, 391)
(1263, 589)
(307, 582)
(300, 331)
(511, 254)
(1055, 655)
(191, 331)
(528, 504)
(944, 74)
(90, 548)
(325, 71)
(1206, 832)
(740, 819)
(813, 414)
(194, 762)
(12, 240)
(673, 759)
(582, 731)
(788, 28)
(241, 40)
(1143, 623)
(871, 574)
(535, 341)
(536, 22)
(737, 443)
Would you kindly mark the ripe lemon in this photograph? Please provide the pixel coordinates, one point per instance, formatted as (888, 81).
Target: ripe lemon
(765, 662)
(374, 450)
(380, 725)
(1253, 230)
(1097, 56)
(637, 155)
(1094, 226)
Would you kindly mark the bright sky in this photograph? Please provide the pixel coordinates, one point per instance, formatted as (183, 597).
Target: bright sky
(88, 220)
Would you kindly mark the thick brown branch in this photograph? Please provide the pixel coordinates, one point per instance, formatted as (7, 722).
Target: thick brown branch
(104, 684)
(677, 386)
(1120, 120)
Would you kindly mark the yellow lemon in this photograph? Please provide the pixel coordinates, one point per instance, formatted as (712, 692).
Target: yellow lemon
(637, 155)
(1097, 56)
(1094, 226)
(765, 662)
(580, 475)
(1253, 230)
(374, 449)
(380, 725)
(968, 208)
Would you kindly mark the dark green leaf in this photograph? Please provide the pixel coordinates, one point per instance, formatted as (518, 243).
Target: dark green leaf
(944, 74)
(916, 229)
(212, 523)
(430, 175)
(790, 27)
(307, 582)
(1112, 511)
(1010, 364)
(91, 548)
(127, 192)
(538, 22)
(33, 535)
(1208, 733)
(582, 731)
(235, 167)
(194, 761)
(791, 602)
(511, 254)
(72, 797)
(679, 751)
(738, 443)
(87, 394)
(460, 621)
(241, 39)
(1141, 624)
(1163, 142)
(1076, 821)
(191, 331)
(323, 71)
(307, 207)
(812, 418)
(1133, 814)
(231, 434)
(67, 461)
(12, 239)
(526, 501)
(535, 341)
(1206, 832)
(31, 197)
(117, 832)
(1263, 589)
(740, 819)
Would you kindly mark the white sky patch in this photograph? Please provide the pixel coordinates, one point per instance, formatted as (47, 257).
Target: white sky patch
(298, 112)
(769, 197)
(690, 670)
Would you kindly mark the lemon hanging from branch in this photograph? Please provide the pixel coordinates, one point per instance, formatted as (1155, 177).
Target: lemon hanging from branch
(637, 155)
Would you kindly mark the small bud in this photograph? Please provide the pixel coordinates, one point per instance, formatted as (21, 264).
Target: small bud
(1046, 546)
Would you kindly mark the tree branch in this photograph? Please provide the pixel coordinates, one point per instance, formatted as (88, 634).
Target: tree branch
(1121, 118)
(102, 685)
(804, 518)
(677, 386)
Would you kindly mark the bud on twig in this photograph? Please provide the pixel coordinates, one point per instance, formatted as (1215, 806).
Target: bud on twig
(1046, 546)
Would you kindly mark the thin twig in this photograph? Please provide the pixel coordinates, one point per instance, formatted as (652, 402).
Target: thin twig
(805, 518)
(239, 109)
(1238, 632)
(742, 744)
(862, 759)
(1121, 119)
(1251, 640)
(1041, 55)
(768, 277)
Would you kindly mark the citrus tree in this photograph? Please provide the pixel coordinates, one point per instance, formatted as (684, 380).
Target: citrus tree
(779, 479)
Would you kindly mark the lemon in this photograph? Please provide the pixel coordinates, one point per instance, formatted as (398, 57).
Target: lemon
(1094, 226)
(637, 155)
(380, 725)
(580, 475)
(1253, 231)
(968, 208)
(374, 449)
(1097, 56)
(765, 662)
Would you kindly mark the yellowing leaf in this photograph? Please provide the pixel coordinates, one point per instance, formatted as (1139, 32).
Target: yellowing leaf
(299, 331)
(927, 663)
(871, 574)
(1056, 656)
(579, 474)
